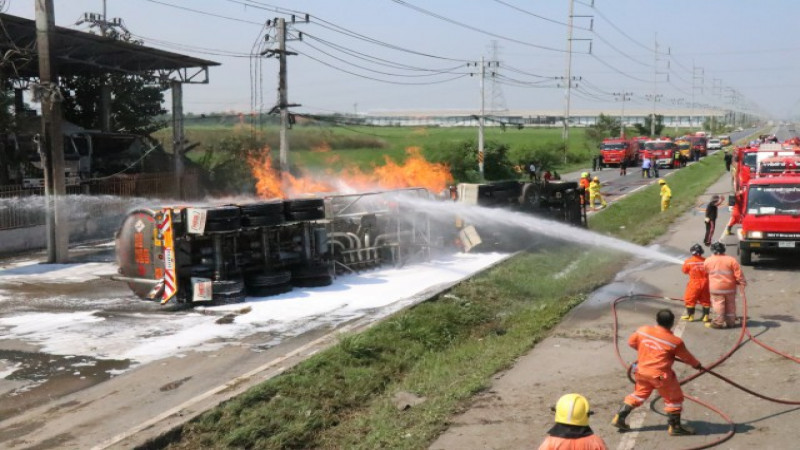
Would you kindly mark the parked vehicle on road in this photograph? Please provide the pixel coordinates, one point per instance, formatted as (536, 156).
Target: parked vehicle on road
(699, 145)
(770, 218)
(616, 150)
(725, 140)
(663, 150)
(714, 144)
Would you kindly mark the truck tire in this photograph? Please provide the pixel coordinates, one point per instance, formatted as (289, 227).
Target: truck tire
(312, 276)
(267, 279)
(262, 214)
(304, 204)
(226, 292)
(268, 291)
(746, 257)
(305, 215)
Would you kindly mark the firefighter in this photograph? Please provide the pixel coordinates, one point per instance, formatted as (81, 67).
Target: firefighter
(584, 183)
(646, 165)
(728, 160)
(736, 213)
(657, 348)
(572, 431)
(666, 194)
(697, 289)
(711, 218)
(724, 275)
(594, 193)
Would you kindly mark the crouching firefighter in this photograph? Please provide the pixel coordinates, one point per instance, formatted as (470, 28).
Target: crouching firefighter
(657, 348)
(572, 431)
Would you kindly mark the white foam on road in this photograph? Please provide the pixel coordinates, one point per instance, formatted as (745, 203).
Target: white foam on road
(31, 272)
(146, 337)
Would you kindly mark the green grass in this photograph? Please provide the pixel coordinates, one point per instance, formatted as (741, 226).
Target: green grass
(445, 350)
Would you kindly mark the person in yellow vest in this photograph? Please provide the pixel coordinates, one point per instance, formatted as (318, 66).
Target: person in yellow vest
(594, 193)
(666, 194)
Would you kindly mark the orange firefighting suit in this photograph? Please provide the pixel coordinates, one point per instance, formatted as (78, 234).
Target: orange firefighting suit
(657, 348)
(724, 274)
(590, 442)
(697, 289)
(584, 183)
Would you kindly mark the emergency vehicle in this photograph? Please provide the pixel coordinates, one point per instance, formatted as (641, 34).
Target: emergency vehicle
(770, 217)
(663, 150)
(685, 147)
(616, 150)
(699, 145)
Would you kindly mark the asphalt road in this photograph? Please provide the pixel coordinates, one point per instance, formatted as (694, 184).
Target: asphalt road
(514, 412)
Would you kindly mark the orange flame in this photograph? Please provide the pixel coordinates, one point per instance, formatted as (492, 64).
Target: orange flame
(414, 172)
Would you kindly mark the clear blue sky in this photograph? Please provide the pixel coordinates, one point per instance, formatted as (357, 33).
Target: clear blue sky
(746, 45)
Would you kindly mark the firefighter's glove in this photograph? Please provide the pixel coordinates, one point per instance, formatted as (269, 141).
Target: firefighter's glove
(708, 220)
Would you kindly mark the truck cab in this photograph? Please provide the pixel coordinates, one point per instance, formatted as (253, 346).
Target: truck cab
(614, 151)
(770, 217)
(663, 150)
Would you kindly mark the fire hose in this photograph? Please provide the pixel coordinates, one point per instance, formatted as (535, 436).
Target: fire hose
(745, 331)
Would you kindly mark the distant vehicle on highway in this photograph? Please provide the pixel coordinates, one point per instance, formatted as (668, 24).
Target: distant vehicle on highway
(725, 140)
(739, 129)
(714, 144)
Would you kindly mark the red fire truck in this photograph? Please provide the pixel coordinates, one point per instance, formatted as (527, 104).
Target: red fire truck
(616, 150)
(770, 217)
(663, 150)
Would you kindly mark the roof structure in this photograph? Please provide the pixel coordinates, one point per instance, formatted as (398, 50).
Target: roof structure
(80, 53)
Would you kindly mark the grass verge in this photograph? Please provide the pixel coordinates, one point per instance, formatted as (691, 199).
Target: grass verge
(444, 350)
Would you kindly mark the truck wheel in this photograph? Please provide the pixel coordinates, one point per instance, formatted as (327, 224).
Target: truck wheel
(257, 280)
(746, 257)
(304, 204)
(262, 214)
(305, 215)
(312, 276)
(268, 291)
(225, 292)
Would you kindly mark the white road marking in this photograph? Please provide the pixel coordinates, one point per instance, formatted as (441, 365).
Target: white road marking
(628, 441)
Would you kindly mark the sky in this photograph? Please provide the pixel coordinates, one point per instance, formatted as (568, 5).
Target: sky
(369, 56)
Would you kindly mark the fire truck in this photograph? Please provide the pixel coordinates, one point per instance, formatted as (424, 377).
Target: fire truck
(685, 147)
(616, 150)
(699, 145)
(663, 150)
(770, 217)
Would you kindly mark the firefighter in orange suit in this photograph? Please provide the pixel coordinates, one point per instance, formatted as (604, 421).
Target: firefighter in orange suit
(657, 349)
(584, 183)
(571, 431)
(724, 275)
(697, 289)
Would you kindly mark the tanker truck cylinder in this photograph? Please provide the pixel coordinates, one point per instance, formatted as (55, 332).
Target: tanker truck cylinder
(218, 263)
(321, 241)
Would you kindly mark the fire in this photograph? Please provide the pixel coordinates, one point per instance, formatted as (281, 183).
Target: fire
(414, 172)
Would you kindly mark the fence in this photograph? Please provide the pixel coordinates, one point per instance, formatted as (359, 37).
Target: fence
(25, 207)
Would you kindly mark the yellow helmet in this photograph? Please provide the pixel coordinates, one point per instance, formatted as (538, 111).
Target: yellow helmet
(596, 179)
(585, 175)
(572, 409)
(661, 181)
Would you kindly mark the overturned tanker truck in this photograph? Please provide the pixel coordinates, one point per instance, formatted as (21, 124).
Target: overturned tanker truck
(219, 254)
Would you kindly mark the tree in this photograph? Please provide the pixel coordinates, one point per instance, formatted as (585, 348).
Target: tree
(604, 127)
(9, 159)
(644, 130)
(135, 102)
(462, 158)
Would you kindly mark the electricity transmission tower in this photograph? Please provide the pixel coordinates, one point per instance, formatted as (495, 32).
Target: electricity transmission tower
(498, 102)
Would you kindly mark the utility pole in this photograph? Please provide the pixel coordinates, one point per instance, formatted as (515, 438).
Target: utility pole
(178, 138)
(696, 77)
(108, 28)
(716, 90)
(655, 88)
(480, 119)
(623, 97)
(283, 91)
(568, 79)
(51, 141)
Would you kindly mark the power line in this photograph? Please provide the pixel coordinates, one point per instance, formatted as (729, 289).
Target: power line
(547, 19)
(627, 75)
(205, 13)
(476, 29)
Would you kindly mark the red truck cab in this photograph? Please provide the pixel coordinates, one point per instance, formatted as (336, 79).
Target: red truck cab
(616, 150)
(699, 145)
(663, 150)
(770, 217)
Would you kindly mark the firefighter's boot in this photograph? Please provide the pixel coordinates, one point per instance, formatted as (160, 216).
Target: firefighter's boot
(676, 428)
(689, 315)
(706, 314)
(619, 419)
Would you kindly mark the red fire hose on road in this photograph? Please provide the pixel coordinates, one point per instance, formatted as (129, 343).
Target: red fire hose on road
(745, 331)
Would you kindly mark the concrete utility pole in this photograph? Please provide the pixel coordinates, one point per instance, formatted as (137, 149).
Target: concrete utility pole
(51, 141)
(480, 119)
(568, 79)
(696, 77)
(655, 88)
(178, 137)
(283, 96)
(623, 97)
